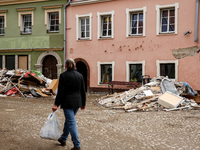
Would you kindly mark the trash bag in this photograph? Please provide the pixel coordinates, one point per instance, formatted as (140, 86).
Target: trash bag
(51, 128)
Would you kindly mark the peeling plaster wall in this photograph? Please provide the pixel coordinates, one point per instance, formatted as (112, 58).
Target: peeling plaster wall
(185, 52)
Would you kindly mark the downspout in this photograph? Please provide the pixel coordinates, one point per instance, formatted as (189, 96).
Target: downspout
(65, 32)
(197, 20)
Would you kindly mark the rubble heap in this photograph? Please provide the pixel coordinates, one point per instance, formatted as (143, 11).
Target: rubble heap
(160, 94)
(26, 84)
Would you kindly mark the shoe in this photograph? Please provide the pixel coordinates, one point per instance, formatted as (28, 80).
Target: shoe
(60, 140)
(76, 148)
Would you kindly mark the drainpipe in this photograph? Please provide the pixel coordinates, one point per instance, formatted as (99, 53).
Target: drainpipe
(65, 31)
(197, 20)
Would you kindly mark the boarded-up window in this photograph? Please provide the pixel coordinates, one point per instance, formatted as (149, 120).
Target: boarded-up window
(10, 62)
(0, 62)
(23, 62)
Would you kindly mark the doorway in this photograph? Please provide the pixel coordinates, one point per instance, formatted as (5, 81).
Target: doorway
(49, 68)
(82, 68)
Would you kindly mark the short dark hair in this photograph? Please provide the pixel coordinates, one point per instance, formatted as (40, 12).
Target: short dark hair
(70, 63)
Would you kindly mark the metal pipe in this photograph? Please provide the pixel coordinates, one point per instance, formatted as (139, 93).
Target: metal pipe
(197, 20)
(65, 32)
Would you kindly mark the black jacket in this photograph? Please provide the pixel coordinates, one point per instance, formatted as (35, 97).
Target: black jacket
(71, 90)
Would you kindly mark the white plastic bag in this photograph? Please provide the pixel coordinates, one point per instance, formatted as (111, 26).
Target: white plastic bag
(51, 128)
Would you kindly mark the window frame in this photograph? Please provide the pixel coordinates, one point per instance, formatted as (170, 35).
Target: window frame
(99, 34)
(128, 63)
(128, 21)
(158, 62)
(158, 20)
(99, 70)
(3, 15)
(20, 21)
(78, 26)
(47, 21)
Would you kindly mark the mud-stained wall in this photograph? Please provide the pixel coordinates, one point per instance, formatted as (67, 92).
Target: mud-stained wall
(185, 52)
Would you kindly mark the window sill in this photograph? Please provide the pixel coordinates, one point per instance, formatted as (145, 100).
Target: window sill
(22, 33)
(167, 33)
(48, 31)
(135, 36)
(102, 84)
(2, 34)
(105, 38)
(79, 39)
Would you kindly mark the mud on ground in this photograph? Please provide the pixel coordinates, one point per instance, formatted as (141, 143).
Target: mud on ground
(99, 128)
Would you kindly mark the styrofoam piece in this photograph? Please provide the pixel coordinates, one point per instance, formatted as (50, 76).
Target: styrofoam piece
(148, 93)
(170, 100)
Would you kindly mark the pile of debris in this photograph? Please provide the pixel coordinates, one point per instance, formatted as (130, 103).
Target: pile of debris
(26, 84)
(160, 93)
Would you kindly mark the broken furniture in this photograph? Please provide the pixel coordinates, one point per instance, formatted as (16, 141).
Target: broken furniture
(145, 79)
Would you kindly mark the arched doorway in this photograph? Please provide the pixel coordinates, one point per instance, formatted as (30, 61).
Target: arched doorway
(40, 60)
(49, 68)
(83, 68)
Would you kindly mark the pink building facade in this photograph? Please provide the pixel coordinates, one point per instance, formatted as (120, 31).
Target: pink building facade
(121, 40)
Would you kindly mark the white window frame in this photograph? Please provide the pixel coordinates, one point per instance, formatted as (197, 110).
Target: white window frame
(158, 20)
(4, 15)
(99, 15)
(99, 70)
(128, 21)
(20, 18)
(78, 29)
(158, 62)
(128, 63)
(46, 17)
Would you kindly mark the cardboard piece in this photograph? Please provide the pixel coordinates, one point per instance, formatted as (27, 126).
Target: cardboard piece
(53, 86)
(156, 88)
(169, 100)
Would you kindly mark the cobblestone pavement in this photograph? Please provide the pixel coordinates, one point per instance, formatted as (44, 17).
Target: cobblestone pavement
(99, 128)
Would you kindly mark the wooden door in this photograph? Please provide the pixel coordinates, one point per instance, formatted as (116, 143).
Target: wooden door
(49, 68)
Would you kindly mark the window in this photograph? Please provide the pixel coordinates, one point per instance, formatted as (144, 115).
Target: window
(83, 27)
(105, 25)
(2, 22)
(136, 21)
(1, 64)
(10, 62)
(105, 72)
(168, 68)
(27, 24)
(135, 71)
(54, 22)
(167, 18)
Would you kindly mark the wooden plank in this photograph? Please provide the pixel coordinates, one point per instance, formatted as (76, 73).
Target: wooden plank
(140, 103)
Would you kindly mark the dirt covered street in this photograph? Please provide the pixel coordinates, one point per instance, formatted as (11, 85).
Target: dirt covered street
(99, 128)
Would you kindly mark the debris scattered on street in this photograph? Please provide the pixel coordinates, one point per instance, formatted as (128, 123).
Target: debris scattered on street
(161, 93)
(26, 84)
